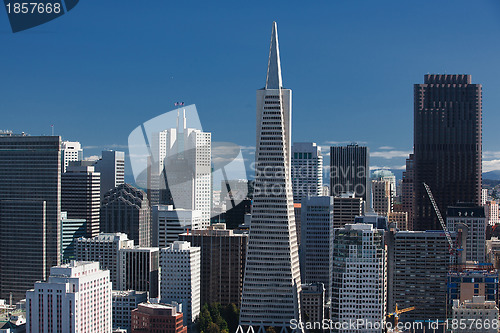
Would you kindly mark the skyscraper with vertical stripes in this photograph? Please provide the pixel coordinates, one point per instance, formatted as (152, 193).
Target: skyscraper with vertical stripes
(272, 284)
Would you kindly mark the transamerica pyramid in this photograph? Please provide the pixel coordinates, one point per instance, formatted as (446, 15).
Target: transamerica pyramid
(271, 285)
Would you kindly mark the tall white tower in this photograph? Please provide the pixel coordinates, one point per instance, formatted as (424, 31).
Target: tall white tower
(272, 285)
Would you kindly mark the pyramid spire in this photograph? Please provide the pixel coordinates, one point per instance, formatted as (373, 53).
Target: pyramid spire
(273, 80)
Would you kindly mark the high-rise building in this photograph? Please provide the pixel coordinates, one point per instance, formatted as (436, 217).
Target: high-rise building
(345, 209)
(307, 170)
(313, 300)
(359, 277)
(111, 166)
(316, 243)
(407, 192)
(180, 278)
(223, 254)
(387, 175)
(180, 171)
(447, 145)
(126, 209)
(477, 310)
(418, 263)
(168, 223)
(272, 285)
(350, 171)
(80, 195)
(470, 280)
(139, 269)
(157, 318)
(70, 151)
(491, 211)
(381, 197)
(400, 219)
(71, 230)
(30, 211)
(474, 220)
(124, 302)
(76, 298)
(105, 249)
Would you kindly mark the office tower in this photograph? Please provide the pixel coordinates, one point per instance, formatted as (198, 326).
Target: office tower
(70, 151)
(80, 195)
(491, 211)
(223, 255)
(382, 199)
(317, 241)
(359, 276)
(307, 170)
(400, 219)
(112, 168)
(157, 318)
(236, 215)
(297, 211)
(477, 310)
(30, 210)
(139, 269)
(474, 220)
(272, 285)
(313, 300)
(350, 171)
(104, 249)
(180, 279)
(447, 145)
(168, 223)
(418, 263)
(345, 209)
(493, 252)
(76, 298)
(387, 175)
(71, 229)
(467, 281)
(180, 173)
(407, 191)
(126, 209)
(124, 302)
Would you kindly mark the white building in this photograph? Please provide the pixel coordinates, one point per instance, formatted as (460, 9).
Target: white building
(181, 157)
(491, 211)
(70, 151)
(272, 282)
(359, 277)
(105, 249)
(475, 313)
(76, 298)
(474, 219)
(169, 223)
(180, 279)
(123, 304)
(381, 197)
(307, 170)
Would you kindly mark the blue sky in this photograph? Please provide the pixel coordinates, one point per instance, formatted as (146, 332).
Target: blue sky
(105, 67)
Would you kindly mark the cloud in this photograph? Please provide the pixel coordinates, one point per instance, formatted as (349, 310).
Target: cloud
(103, 147)
(491, 165)
(386, 148)
(344, 142)
(394, 167)
(389, 154)
(491, 154)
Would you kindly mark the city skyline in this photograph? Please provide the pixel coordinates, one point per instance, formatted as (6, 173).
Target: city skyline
(367, 58)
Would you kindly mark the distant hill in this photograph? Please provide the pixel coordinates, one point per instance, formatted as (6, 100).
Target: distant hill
(493, 175)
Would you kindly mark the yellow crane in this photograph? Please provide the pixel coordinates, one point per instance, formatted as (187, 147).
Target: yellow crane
(397, 312)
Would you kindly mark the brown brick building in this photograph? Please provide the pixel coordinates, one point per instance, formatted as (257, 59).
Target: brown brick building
(157, 318)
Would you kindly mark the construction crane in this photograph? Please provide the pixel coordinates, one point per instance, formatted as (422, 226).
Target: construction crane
(397, 312)
(440, 218)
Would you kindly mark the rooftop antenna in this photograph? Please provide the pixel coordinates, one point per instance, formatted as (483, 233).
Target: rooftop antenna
(52, 128)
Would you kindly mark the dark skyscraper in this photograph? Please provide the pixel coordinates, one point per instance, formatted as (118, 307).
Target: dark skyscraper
(447, 145)
(30, 210)
(350, 172)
